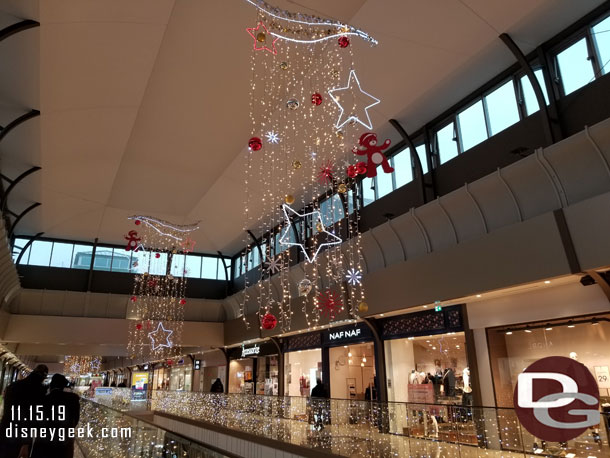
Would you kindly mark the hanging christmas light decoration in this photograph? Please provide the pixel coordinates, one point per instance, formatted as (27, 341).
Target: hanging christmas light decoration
(308, 57)
(75, 366)
(157, 302)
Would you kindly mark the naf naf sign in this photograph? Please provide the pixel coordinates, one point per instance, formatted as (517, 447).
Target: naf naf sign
(344, 334)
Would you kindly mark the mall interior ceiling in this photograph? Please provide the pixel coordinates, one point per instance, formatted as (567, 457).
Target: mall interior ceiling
(113, 109)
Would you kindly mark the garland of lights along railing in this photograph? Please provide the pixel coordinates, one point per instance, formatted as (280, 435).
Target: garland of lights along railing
(157, 303)
(308, 109)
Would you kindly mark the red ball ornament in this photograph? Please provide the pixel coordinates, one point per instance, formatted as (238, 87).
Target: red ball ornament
(182, 301)
(157, 255)
(138, 222)
(316, 98)
(134, 298)
(255, 144)
(269, 321)
(343, 41)
(169, 362)
(139, 326)
(352, 172)
(361, 168)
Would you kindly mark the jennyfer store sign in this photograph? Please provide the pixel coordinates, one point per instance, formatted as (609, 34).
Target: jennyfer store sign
(255, 350)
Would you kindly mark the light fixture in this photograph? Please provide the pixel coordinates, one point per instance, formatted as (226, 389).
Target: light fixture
(364, 359)
(381, 314)
(548, 327)
(528, 330)
(571, 324)
(362, 364)
(344, 346)
(509, 333)
(594, 321)
(433, 348)
(350, 361)
(425, 306)
(349, 354)
(546, 282)
(478, 295)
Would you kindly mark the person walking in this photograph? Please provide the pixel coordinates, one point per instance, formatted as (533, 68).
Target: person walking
(319, 402)
(217, 387)
(61, 411)
(21, 398)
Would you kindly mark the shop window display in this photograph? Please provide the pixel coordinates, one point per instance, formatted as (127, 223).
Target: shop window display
(181, 378)
(161, 377)
(352, 372)
(240, 376)
(267, 375)
(303, 367)
(429, 369)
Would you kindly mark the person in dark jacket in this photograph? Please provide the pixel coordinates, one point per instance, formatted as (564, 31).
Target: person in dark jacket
(217, 387)
(62, 411)
(319, 407)
(19, 397)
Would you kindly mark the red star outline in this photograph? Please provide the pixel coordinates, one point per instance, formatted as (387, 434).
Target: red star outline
(254, 31)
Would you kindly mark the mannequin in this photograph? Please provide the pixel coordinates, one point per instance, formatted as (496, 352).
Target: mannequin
(467, 396)
(413, 378)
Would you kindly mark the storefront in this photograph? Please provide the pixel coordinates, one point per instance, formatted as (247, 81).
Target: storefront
(585, 339)
(212, 366)
(161, 377)
(181, 376)
(254, 369)
(426, 358)
(302, 363)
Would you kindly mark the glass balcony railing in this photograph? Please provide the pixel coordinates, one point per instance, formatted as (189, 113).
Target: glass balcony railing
(130, 437)
(362, 428)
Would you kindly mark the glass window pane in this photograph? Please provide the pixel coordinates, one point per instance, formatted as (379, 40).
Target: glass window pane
(40, 254)
(574, 68)
(102, 258)
(421, 152)
(350, 201)
(337, 208)
(121, 260)
(209, 267)
(472, 126)
(601, 38)
(403, 172)
(368, 191)
(17, 247)
(177, 269)
(237, 271)
(158, 265)
(384, 183)
(140, 261)
(264, 251)
(192, 266)
(81, 256)
(447, 146)
(531, 104)
(502, 108)
(62, 255)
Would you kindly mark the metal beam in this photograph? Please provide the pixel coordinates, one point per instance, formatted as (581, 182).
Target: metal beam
(529, 72)
(15, 182)
(601, 281)
(21, 215)
(26, 246)
(17, 121)
(18, 27)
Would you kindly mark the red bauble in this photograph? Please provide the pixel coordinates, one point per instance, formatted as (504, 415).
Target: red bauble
(139, 326)
(138, 222)
(269, 321)
(361, 168)
(316, 98)
(255, 144)
(157, 255)
(169, 362)
(352, 172)
(182, 301)
(134, 298)
(343, 41)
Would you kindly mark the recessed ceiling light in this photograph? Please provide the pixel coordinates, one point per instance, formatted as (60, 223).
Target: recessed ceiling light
(509, 333)
(571, 324)
(546, 282)
(381, 314)
(528, 330)
(425, 306)
(433, 348)
(548, 327)
(478, 295)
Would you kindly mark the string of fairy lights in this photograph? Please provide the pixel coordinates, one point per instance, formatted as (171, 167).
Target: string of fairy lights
(307, 108)
(156, 307)
(75, 366)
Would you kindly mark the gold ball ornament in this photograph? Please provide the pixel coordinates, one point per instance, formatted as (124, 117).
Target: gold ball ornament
(334, 73)
(289, 199)
(284, 65)
(342, 188)
(339, 134)
(296, 165)
(319, 227)
(261, 37)
(363, 307)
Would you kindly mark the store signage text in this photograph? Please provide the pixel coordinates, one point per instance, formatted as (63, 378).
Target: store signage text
(255, 350)
(344, 334)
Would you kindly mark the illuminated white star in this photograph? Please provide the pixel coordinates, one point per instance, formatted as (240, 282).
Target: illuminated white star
(158, 335)
(273, 265)
(319, 224)
(354, 277)
(350, 113)
(272, 137)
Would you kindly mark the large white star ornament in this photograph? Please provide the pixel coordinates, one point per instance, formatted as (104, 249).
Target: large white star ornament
(272, 137)
(273, 265)
(319, 224)
(354, 277)
(160, 337)
(347, 114)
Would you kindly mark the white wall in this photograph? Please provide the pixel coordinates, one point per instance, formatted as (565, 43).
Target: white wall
(299, 363)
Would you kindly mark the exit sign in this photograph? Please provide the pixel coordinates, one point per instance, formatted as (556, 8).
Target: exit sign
(438, 308)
